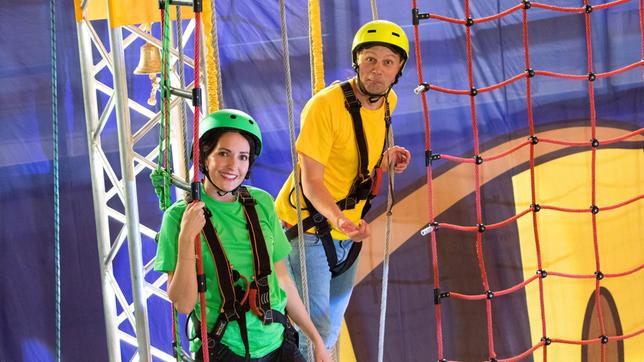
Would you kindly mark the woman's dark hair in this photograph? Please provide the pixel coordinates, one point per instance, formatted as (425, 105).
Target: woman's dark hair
(209, 141)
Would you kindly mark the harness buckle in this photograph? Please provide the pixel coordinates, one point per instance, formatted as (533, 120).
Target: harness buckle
(268, 317)
(262, 282)
(230, 315)
(350, 203)
(364, 189)
(247, 199)
(322, 229)
(318, 218)
(219, 328)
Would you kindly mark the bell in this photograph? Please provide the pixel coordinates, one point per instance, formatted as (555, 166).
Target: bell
(149, 60)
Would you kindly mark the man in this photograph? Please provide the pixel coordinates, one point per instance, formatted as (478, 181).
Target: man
(341, 143)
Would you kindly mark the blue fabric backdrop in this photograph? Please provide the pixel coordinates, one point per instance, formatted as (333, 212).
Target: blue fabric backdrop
(253, 80)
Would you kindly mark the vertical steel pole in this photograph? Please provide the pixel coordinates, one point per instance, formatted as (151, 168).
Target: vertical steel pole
(98, 189)
(129, 192)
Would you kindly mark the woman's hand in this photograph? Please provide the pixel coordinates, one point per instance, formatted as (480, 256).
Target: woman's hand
(398, 156)
(193, 220)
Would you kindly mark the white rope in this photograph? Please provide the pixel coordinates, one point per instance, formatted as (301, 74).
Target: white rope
(296, 174)
(385, 262)
(374, 10)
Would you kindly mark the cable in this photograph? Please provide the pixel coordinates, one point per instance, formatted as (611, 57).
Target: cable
(296, 175)
(54, 115)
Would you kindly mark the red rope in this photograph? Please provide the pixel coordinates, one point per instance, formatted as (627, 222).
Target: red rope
(594, 276)
(477, 180)
(561, 9)
(536, 72)
(511, 219)
(593, 171)
(609, 4)
(533, 193)
(195, 178)
(532, 141)
(545, 73)
(489, 158)
(430, 198)
(506, 152)
(499, 15)
(524, 354)
(509, 11)
(623, 137)
(499, 293)
(628, 272)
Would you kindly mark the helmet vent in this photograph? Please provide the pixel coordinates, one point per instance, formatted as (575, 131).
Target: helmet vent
(250, 121)
(395, 34)
(233, 116)
(371, 31)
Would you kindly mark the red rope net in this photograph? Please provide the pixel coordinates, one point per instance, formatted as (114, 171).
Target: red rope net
(532, 142)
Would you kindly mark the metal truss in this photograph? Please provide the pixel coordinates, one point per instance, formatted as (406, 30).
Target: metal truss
(122, 238)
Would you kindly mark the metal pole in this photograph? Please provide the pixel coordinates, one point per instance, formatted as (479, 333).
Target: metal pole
(98, 189)
(130, 196)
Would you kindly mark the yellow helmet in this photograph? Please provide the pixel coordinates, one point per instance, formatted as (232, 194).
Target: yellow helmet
(380, 32)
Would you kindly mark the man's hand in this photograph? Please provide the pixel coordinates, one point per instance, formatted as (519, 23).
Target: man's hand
(354, 232)
(398, 156)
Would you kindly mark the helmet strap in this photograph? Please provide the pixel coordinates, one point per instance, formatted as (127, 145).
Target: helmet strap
(219, 190)
(372, 97)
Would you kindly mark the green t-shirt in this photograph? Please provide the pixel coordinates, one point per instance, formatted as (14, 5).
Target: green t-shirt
(230, 223)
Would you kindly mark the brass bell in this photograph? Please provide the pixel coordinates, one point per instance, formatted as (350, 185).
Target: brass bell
(149, 60)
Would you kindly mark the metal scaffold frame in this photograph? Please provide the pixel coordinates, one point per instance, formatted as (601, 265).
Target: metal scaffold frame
(118, 226)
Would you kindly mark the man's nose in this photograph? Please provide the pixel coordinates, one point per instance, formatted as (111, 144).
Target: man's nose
(377, 67)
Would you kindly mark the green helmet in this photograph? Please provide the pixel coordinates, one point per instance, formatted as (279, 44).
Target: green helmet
(380, 32)
(235, 120)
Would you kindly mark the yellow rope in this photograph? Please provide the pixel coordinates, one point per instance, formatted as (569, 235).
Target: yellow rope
(213, 77)
(315, 39)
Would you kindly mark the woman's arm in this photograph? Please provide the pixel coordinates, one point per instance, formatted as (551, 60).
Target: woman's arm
(182, 283)
(298, 313)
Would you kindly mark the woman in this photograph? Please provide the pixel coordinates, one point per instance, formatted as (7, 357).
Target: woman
(248, 289)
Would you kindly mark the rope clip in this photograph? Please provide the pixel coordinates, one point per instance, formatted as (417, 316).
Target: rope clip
(422, 88)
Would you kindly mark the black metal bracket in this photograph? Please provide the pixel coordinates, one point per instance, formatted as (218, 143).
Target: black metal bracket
(430, 157)
(438, 295)
(416, 16)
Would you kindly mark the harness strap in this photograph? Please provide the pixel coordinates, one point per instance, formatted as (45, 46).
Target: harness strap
(364, 187)
(260, 300)
(235, 300)
(232, 309)
(353, 106)
(217, 332)
(223, 268)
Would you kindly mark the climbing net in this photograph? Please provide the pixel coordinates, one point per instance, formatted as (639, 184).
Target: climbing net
(532, 142)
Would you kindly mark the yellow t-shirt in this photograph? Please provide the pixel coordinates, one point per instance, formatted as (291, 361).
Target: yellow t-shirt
(327, 136)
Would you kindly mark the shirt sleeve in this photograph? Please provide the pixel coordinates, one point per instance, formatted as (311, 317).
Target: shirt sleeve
(166, 257)
(317, 132)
